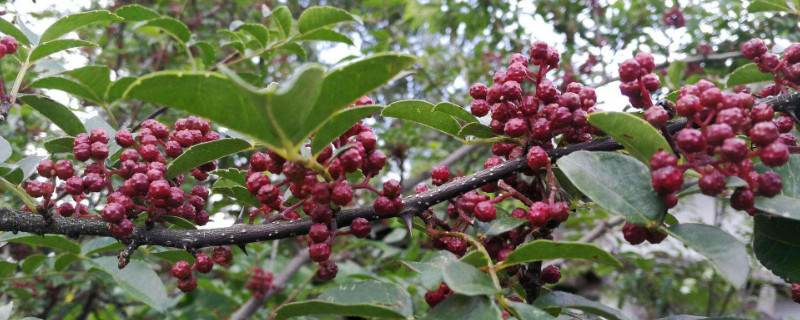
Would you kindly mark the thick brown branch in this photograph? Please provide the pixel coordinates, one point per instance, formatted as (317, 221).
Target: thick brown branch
(13, 220)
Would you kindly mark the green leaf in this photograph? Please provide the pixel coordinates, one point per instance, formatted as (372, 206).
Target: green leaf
(431, 268)
(67, 85)
(135, 12)
(47, 48)
(179, 223)
(467, 280)
(96, 78)
(369, 299)
(282, 19)
(790, 176)
(466, 307)
(638, 137)
(23, 169)
(64, 261)
(117, 89)
(546, 250)
(728, 255)
(781, 205)
(776, 244)
(559, 299)
(257, 30)
(98, 245)
(502, 225)
(72, 22)
(476, 259)
(422, 112)
(318, 17)
(32, 263)
(528, 312)
(137, 279)
(9, 29)
(672, 96)
(345, 85)
(338, 124)
(59, 145)
(675, 74)
(179, 90)
(7, 269)
(232, 174)
(455, 111)
(52, 241)
(616, 182)
(207, 52)
(5, 149)
(226, 187)
(477, 130)
(202, 153)
(296, 49)
(173, 27)
(325, 35)
(59, 114)
(747, 74)
(768, 6)
(174, 255)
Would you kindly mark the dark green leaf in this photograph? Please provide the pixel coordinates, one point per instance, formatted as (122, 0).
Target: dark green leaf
(477, 130)
(9, 29)
(325, 35)
(98, 245)
(781, 205)
(431, 268)
(476, 259)
(370, 299)
(232, 174)
(59, 145)
(67, 85)
(728, 255)
(776, 244)
(616, 182)
(467, 280)
(235, 190)
(52, 241)
(179, 90)
(179, 223)
(455, 111)
(135, 12)
(137, 279)
(31, 263)
(502, 225)
(747, 74)
(528, 312)
(338, 124)
(96, 78)
(57, 113)
(282, 19)
(174, 255)
(7, 268)
(345, 85)
(466, 307)
(768, 6)
(422, 112)
(202, 153)
(47, 48)
(638, 137)
(790, 176)
(559, 299)
(63, 261)
(257, 30)
(23, 169)
(318, 17)
(171, 26)
(117, 89)
(546, 249)
(74, 21)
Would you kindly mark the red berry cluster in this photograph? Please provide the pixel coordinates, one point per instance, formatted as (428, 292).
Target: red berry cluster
(638, 81)
(786, 70)
(796, 292)
(537, 117)
(260, 283)
(222, 256)
(434, 297)
(8, 45)
(322, 192)
(182, 270)
(714, 150)
(550, 275)
(142, 165)
(637, 234)
(673, 18)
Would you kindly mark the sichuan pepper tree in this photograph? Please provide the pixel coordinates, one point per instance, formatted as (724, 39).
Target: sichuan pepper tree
(314, 173)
